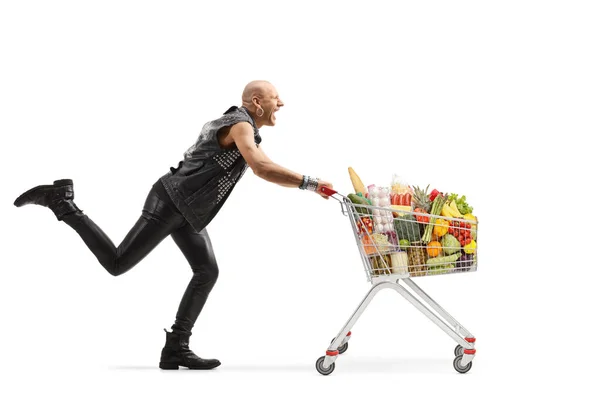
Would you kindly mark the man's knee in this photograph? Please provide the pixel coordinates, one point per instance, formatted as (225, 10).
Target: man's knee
(118, 267)
(215, 274)
(212, 275)
(115, 272)
(206, 274)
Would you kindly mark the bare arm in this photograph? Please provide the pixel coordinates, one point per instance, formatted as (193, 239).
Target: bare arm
(262, 166)
(243, 135)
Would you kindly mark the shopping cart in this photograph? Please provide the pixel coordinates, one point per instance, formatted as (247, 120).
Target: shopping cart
(389, 259)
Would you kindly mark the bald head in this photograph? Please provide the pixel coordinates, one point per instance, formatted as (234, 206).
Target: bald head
(255, 88)
(262, 101)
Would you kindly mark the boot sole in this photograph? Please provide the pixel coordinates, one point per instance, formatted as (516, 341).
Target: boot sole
(168, 366)
(21, 200)
(176, 366)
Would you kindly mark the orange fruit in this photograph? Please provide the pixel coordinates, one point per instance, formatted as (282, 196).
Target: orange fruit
(434, 248)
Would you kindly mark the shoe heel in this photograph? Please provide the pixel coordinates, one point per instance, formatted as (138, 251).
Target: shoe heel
(63, 182)
(164, 365)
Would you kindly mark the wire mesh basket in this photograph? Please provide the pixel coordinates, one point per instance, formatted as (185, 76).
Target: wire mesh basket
(408, 243)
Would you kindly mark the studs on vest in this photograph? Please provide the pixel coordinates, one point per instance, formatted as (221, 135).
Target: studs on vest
(227, 159)
(224, 185)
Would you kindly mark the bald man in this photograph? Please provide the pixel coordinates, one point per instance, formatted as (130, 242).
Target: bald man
(182, 203)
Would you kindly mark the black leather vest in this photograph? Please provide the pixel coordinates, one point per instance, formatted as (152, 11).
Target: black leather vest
(204, 179)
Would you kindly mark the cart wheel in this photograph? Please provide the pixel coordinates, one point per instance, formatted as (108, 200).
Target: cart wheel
(324, 371)
(460, 368)
(459, 350)
(342, 349)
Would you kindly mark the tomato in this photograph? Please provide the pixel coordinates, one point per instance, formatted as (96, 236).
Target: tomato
(468, 241)
(451, 230)
(462, 243)
(365, 225)
(468, 226)
(461, 238)
(462, 224)
(455, 234)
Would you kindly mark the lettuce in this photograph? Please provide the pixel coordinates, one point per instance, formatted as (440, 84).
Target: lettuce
(461, 203)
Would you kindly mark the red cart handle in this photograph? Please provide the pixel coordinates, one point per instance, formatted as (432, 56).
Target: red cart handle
(328, 191)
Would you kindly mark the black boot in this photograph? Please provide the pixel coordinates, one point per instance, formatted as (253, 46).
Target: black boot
(58, 197)
(176, 352)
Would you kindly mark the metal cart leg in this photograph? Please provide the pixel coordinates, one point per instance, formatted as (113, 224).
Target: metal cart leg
(453, 322)
(326, 363)
(428, 313)
(342, 337)
(462, 361)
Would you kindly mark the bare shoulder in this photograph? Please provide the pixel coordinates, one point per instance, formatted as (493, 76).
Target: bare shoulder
(242, 133)
(243, 127)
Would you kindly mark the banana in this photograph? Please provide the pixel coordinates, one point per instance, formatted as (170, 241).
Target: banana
(447, 211)
(456, 214)
(454, 208)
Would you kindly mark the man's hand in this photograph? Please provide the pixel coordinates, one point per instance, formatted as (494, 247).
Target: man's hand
(320, 185)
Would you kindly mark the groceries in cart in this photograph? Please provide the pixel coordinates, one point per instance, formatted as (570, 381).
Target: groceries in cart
(406, 230)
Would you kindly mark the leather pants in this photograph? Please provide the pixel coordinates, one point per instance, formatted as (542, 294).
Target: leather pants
(160, 218)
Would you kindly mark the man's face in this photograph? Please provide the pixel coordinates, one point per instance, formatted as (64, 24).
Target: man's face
(271, 103)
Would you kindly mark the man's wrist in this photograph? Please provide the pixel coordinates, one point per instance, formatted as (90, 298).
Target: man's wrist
(304, 182)
(312, 185)
(309, 183)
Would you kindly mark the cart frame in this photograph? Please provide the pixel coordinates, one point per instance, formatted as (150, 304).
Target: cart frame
(464, 351)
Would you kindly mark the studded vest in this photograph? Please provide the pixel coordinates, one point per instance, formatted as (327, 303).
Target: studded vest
(204, 179)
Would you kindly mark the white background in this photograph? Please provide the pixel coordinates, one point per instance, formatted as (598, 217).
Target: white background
(495, 100)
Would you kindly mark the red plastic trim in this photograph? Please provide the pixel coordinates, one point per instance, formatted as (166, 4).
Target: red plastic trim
(332, 352)
(470, 339)
(467, 351)
(328, 191)
(349, 333)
